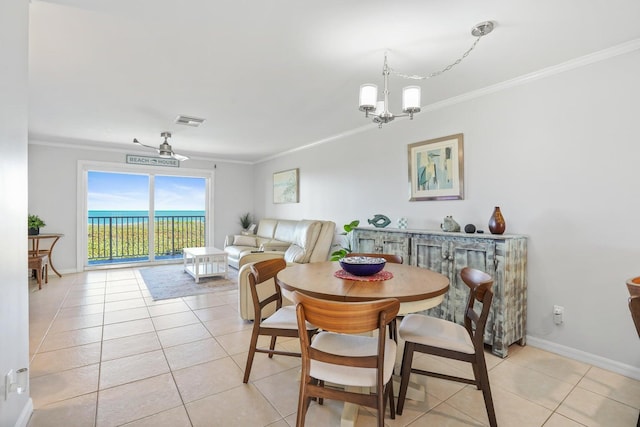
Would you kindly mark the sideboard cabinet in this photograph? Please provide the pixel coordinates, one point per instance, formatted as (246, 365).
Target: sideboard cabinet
(504, 257)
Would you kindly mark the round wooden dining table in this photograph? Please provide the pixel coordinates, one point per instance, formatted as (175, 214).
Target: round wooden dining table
(417, 288)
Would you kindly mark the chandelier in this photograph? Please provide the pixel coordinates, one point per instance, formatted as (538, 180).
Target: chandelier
(379, 110)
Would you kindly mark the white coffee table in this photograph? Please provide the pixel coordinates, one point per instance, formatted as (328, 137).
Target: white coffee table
(205, 262)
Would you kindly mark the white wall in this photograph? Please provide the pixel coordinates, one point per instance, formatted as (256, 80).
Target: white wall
(53, 193)
(558, 154)
(14, 303)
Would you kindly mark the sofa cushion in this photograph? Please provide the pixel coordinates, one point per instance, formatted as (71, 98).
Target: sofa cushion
(275, 245)
(305, 236)
(286, 230)
(267, 228)
(244, 241)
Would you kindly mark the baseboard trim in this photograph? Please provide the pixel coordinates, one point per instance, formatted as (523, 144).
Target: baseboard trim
(582, 356)
(25, 415)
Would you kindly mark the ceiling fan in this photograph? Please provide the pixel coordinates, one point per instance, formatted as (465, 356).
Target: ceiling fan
(165, 151)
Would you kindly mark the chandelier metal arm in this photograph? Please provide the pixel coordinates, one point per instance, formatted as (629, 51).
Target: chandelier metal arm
(436, 73)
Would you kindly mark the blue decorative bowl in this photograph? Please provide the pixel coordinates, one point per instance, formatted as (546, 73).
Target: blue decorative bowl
(362, 265)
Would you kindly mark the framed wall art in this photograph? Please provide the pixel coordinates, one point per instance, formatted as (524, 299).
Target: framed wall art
(436, 169)
(285, 186)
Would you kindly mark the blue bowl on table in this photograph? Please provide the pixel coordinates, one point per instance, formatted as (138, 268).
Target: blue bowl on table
(362, 265)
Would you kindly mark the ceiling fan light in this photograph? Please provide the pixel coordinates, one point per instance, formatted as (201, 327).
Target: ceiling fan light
(411, 99)
(368, 97)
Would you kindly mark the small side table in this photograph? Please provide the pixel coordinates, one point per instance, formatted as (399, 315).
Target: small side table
(205, 262)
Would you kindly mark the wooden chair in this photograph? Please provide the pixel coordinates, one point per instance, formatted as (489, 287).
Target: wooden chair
(633, 285)
(430, 335)
(282, 323)
(40, 264)
(336, 356)
(395, 259)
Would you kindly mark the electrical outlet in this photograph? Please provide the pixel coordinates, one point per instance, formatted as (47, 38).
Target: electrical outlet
(558, 314)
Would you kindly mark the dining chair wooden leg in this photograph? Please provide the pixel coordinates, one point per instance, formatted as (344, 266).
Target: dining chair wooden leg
(252, 352)
(392, 410)
(272, 346)
(483, 380)
(405, 373)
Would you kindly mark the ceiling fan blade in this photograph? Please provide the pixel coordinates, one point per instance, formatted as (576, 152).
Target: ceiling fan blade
(179, 157)
(135, 141)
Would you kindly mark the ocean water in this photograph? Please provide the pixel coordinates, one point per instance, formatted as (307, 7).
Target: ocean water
(93, 214)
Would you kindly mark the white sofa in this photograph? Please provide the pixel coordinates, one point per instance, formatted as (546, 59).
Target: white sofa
(296, 241)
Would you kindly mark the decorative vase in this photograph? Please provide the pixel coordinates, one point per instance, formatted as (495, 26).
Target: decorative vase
(34, 231)
(496, 222)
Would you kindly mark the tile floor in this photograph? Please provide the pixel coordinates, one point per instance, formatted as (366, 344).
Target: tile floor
(103, 353)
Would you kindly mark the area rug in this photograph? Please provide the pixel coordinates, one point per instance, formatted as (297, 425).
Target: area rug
(170, 281)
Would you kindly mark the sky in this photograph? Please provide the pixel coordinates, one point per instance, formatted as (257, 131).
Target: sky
(129, 192)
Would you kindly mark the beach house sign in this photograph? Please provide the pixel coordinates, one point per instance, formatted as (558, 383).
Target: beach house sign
(152, 161)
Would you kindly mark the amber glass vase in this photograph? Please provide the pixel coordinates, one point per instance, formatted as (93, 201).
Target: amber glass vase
(496, 222)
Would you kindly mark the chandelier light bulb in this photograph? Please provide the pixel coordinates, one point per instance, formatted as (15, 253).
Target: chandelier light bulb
(411, 99)
(368, 97)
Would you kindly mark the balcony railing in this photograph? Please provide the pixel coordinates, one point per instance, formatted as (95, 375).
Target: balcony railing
(126, 238)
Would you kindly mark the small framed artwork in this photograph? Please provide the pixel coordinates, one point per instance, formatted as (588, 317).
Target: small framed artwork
(285, 186)
(436, 169)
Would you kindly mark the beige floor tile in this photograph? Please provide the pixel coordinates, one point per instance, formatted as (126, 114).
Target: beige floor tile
(241, 406)
(595, 410)
(125, 329)
(174, 320)
(441, 389)
(532, 385)
(132, 368)
(279, 423)
(553, 365)
(76, 292)
(202, 301)
(557, 420)
(125, 315)
(136, 400)
(56, 341)
(282, 390)
(120, 274)
(227, 325)
(123, 305)
(128, 346)
(441, 416)
(163, 309)
(78, 411)
(214, 313)
(130, 292)
(613, 386)
(81, 310)
(236, 342)
(511, 409)
(83, 300)
(64, 385)
(79, 322)
(61, 360)
(193, 353)
(176, 417)
(197, 382)
(183, 334)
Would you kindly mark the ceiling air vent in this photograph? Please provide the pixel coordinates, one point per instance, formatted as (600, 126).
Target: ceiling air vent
(189, 121)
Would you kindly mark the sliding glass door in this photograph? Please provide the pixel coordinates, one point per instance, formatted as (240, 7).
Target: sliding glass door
(142, 217)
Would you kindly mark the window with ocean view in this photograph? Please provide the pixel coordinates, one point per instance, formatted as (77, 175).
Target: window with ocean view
(143, 217)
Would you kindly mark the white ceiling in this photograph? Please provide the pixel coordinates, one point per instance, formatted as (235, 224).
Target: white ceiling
(273, 75)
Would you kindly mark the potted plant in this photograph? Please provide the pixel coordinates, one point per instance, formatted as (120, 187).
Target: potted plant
(345, 250)
(245, 221)
(34, 223)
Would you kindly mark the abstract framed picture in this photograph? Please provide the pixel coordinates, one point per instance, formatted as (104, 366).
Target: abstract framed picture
(436, 169)
(285, 186)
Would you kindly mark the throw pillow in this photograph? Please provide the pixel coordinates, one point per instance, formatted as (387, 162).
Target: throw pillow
(244, 241)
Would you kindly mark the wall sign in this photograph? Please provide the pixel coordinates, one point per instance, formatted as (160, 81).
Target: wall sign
(152, 161)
